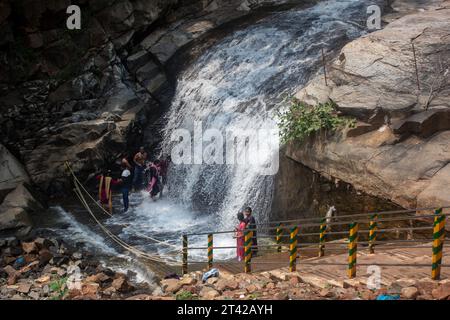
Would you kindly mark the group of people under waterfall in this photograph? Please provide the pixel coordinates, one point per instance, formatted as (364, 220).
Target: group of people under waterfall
(143, 174)
(247, 222)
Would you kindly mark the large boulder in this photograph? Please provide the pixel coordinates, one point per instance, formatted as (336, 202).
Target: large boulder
(12, 173)
(16, 209)
(401, 151)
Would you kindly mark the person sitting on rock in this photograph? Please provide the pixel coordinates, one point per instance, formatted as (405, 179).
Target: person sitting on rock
(104, 189)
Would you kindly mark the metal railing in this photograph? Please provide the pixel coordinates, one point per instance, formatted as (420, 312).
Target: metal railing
(275, 231)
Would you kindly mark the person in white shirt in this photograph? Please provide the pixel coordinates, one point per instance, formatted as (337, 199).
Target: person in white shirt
(126, 185)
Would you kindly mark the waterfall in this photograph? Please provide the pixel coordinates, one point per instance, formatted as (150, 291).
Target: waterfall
(239, 84)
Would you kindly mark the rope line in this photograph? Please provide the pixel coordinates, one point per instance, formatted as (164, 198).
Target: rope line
(115, 238)
(109, 214)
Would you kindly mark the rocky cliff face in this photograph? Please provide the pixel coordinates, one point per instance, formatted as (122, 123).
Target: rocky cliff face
(400, 148)
(86, 95)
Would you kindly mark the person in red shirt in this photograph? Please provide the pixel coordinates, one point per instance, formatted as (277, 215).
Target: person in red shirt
(104, 189)
(239, 235)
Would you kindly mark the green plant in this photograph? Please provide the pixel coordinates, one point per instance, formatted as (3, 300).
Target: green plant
(185, 295)
(59, 288)
(301, 120)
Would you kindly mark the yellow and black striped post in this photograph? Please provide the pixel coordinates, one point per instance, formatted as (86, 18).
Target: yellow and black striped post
(352, 248)
(438, 243)
(323, 230)
(185, 255)
(293, 249)
(210, 250)
(279, 232)
(373, 225)
(248, 242)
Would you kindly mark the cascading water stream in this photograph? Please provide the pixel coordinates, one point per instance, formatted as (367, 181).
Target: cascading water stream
(237, 84)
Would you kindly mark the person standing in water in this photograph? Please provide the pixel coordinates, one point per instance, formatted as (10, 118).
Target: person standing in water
(251, 224)
(139, 166)
(240, 236)
(104, 189)
(154, 184)
(126, 185)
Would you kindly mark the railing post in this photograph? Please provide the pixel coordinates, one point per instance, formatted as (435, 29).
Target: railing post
(373, 232)
(210, 250)
(438, 243)
(293, 249)
(185, 255)
(352, 248)
(278, 236)
(248, 242)
(323, 229)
